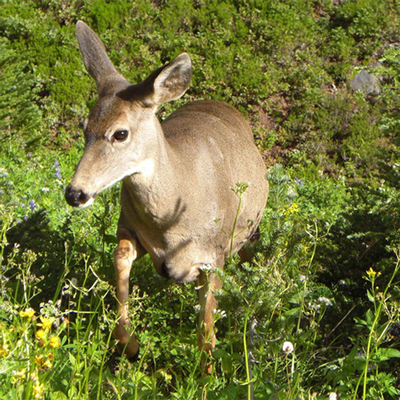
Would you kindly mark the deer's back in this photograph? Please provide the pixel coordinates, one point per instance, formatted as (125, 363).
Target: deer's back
(194, 120)
(215, 148)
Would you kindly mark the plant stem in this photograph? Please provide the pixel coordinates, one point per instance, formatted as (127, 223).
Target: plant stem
(307, 274)
(246, 356)
(234, 225)
(364, 374)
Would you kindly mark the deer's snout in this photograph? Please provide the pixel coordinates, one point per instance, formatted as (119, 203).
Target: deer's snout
(76, 197)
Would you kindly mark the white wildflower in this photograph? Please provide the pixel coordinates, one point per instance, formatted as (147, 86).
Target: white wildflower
(325, 301)
(287, 347)
(220, 313)
(206, 267)
(332, 396)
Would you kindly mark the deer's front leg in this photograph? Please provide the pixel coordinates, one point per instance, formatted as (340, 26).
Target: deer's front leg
(124, 255)
(208, 283)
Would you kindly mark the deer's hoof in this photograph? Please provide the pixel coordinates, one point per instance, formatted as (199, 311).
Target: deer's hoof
(134, 358)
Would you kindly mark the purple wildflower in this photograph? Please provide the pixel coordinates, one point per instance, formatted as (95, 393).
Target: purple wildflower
(57, 171)
(299, 182)
(32, 205)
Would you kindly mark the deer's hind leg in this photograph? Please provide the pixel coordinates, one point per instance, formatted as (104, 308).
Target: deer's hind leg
(128, 250)
(208, 282)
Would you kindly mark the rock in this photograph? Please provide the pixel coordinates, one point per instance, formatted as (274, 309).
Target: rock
(366, 82)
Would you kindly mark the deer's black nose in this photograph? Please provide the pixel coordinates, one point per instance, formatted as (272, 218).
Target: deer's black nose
(75, 197)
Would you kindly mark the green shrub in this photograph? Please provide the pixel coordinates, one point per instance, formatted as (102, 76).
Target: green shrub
(332, 214)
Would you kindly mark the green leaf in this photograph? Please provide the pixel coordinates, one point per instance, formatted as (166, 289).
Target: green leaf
(226, 360)
(370, 297)
(385, 354)
(294, 312)
(58, 396)
(369, 316)
(72, 359)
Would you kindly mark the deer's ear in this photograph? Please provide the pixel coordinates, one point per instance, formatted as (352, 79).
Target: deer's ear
(95, 57)
(171, 81)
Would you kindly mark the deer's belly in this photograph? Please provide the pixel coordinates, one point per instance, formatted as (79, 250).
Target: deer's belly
(180, 258)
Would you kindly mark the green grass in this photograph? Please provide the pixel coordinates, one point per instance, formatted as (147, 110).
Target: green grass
(325, 271)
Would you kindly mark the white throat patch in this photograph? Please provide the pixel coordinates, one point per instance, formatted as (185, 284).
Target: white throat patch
(146, 167)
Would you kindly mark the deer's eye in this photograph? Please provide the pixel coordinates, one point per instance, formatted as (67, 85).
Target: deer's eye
(120, 136)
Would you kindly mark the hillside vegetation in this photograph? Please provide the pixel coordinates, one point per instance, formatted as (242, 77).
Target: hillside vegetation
(325, 272)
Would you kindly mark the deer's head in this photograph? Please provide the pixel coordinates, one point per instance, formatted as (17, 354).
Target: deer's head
(122, 132)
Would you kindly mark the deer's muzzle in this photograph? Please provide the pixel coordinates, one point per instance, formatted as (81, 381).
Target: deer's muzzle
(77, 197)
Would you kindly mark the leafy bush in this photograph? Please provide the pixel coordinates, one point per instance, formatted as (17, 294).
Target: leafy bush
(323, 274)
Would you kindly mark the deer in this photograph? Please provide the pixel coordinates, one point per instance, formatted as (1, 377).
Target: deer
(177, 202)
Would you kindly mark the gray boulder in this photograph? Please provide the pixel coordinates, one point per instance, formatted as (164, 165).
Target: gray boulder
(366, 82)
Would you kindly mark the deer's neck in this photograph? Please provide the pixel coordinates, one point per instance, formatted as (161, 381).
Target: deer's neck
(153, 190)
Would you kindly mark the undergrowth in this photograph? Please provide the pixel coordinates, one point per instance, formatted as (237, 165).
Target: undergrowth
(315, 314)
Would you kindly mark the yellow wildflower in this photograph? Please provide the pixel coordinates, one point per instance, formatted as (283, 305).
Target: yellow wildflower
(47, 365)
(371, 274)
(46, 323)
(18, 375)
(4, 350)
(294, 208)
(38, 390)
(54, 342)
(41, 334)
(304, 249)
(28, 313)
(39, 360)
